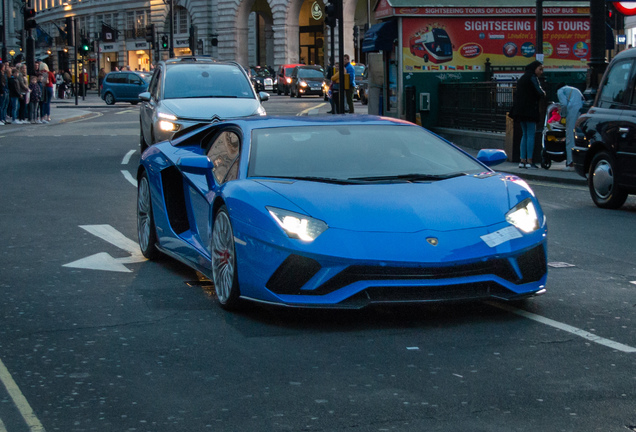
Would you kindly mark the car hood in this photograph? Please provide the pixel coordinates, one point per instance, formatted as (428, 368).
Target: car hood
(459, 203)
(207, 108)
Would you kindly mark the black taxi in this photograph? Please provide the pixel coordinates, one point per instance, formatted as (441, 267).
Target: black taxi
(605, 136)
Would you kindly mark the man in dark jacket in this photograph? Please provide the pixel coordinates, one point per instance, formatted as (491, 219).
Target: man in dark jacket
(525, 109)
(15, 95)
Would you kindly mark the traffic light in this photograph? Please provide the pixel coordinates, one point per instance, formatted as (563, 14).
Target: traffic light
(356, 33)
(70, 31)
(192, 40)
(164, 42)
(29, 19)
(331, 14)
(84, 47)
(150, 33)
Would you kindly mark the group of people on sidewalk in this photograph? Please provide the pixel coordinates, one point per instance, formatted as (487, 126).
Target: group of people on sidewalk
(25, 99)
(334, 87)
(526, 110)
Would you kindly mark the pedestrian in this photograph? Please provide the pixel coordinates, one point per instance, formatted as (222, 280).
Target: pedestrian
(571, 100)
(34, 99)
(350, 70)
(48, 79)
(59, 81)
(4, 93)
(23, 80)
(100, 80)
(334, 89)
(15, 94)
(525, 109)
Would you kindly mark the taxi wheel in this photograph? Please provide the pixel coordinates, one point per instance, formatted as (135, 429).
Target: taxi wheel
(601, 181)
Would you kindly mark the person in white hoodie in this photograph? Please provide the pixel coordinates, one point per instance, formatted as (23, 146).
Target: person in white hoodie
(571, 100)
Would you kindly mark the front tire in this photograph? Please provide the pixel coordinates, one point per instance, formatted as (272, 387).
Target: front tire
(142, 141)
(109, 99)
(224, 271)
(146, 230)
(601, 181)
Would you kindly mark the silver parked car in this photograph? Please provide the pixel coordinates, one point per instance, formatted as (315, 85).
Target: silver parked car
(187, 91)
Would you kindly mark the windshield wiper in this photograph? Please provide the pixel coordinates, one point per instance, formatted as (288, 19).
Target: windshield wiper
(320, 179)
(410, 177)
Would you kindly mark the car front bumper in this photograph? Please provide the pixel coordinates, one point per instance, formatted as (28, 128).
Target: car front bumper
(308, 277)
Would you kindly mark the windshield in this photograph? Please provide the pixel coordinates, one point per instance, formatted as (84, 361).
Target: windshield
(206, 80)
(356, 152)
(310, 73)
(262, 73)
(359, 70)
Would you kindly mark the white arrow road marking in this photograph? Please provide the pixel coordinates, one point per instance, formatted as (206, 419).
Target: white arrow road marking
(103, 260)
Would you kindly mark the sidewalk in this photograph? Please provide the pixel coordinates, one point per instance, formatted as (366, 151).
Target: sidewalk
(64, 110)
(556, 173)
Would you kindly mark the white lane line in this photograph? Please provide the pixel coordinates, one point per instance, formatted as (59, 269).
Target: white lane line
(19, 400)
(128, 176)
(127, 157)
(565, 327)
(2, 427)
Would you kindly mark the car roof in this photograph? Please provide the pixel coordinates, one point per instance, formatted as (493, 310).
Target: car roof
(121, 72)
(189, 59)
(629, 53)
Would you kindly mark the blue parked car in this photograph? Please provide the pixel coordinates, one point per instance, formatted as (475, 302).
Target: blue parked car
(124, 87)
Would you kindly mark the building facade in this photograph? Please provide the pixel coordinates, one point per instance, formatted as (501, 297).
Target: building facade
(252, 32)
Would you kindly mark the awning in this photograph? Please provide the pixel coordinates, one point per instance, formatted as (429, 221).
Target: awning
(380, 37)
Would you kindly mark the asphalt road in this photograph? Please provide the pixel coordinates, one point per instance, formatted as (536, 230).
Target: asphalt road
(142, 346)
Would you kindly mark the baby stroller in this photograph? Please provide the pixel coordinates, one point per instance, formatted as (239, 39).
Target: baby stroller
(553, 137)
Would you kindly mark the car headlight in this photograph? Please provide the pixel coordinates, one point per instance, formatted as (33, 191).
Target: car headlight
(166, 122)
(303, 84)
(288, 80)
(168, 126)
(260, 111)
(524, 216)
(297, 225)
(166, 116)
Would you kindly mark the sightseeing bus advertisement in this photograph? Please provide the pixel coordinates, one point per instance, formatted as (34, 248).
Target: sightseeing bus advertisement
(460, 44)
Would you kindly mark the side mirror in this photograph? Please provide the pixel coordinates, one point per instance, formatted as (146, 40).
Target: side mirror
(194, 164)
(491, 157)
(144, 97)
(263, 96)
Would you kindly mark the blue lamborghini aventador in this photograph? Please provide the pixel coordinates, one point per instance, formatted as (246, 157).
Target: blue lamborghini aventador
(339, 212)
